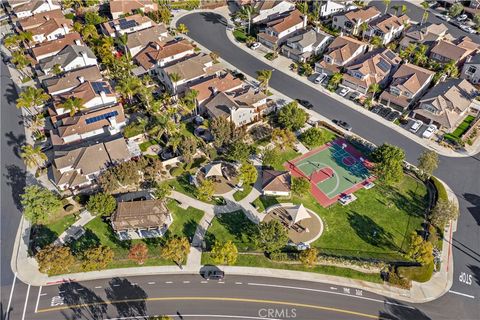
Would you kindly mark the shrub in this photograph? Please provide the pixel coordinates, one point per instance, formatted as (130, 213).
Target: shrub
(279, 256)
(442, 192)
(176, 171)
(418, 273)
(70, 16)
(394, 279)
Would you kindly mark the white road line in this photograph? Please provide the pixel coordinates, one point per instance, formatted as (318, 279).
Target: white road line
(329, 292)
(221, 282)
(462, 294)
(11, 295)
(238, 282)
(333, 288)
(38, 298)
(168, 281)
(115, 285)
(151, 282)
(186, 281)
(98, 287)
(26, 301)
(204, 281)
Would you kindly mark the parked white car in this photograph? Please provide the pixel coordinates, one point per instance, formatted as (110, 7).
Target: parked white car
(255, 45)
(417, 124)
(431, 129)
(344, 92)
(462, 17)
(468, 29)
(443, 17)
(320, 78)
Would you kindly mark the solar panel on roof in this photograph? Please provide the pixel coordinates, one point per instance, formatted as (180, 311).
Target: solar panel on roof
(126, 24)
(101, 117)
(101, 86)
(382, 64)
(390, 54)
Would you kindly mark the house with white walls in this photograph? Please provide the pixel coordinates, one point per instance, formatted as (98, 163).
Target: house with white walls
(69, 58)
(34, 7)
(268, 10)
(277, 31)
(351, 21)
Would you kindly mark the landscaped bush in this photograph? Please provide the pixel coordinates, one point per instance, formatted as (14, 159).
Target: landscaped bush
(70, 16)
(240, 35)
(394, 279)
(419, 274)
(279, 256)
(134, 128)
(176, 171)
(442, 192)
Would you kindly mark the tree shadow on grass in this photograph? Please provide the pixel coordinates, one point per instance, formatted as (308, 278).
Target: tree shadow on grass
(87, 241)
(396, 310)
(370, 232)
(128, 298)
(413, 205)
(40, 237)
(189, 229)
(83, 302)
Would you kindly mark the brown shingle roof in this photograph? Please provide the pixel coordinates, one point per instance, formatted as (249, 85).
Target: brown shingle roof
(85, 92)
(39, 19)
(140, 214)
(279, 181)
(221, 84)
(362, 14)
(456, 51)
(156, 51)
(342, 48)
(389, 22)
(51, 25)
(193, 67)
(411, 77)
(127, 6)
(57, 45)
(145, 36)
(139, 19)
(294, 18)
(71, 79)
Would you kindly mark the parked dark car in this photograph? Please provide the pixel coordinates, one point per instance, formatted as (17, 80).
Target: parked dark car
(213, 274)
(307, 104)
(392, 116)
(384, 112)
(377, 109)
(343, 124)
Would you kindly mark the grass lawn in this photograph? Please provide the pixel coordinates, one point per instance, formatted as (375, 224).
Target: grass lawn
(460, 130)
(185, 221)
(232, 226)
(376, 225)
(287, 154)
(60, 225)
(239, 195)
(144, 145)
(260, 261)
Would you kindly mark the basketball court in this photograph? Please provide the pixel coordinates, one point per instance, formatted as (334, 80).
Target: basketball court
(333, 169)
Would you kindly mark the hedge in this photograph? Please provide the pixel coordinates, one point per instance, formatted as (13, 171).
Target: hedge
(419, 274)
(442, 192)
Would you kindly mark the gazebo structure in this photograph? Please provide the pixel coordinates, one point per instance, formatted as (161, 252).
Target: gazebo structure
(213, 170)
(297, 213)
(224, 176)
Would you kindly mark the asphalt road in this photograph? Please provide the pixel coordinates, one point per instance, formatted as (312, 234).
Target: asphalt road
(188, 295)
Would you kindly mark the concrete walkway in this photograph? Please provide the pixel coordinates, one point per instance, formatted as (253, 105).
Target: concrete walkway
(85, 217)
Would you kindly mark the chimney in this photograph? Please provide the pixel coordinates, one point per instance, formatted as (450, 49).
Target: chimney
(157, 46)
(214, 90)
(47, 17)
(78, 42)
(84, 57)
(81, 79)
(305, 21)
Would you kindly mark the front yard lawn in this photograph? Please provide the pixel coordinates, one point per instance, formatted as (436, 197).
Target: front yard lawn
(460, 130)
(60, 225)
(185, 221)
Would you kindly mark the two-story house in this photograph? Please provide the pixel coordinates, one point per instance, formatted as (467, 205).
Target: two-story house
(278, 30)
(190, 72)
(374, 67)
(306, 44)
(126, 25)
(471, 69)
(240, 107)
(37, 20)
(388, 27)
(427, 34)
(351, 21)
(50, 48)
(51, 29)
(69, 58)
(409, 83)
(157, 54)
(119, 8)
(138, 40)
(69, 80)
(78, 168)
(210, 87)
(329, 7)
(339, 53)
(268, 10)
(457, 50)
(448, 103)
(34, 7)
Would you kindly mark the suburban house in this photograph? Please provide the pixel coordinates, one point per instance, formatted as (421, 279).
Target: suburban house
(276, 183)
(448, 103)
(119, 8)
(271, 9)
(157, 54)
(78, 168)
(51, 29)
(51, 48)
(15, 3)
(210, 87)
(306, 44)
(387, 27)
(141, 219)
(37, 20)
(34, 7)
(71, 79)
(190, 72)
(138, 40)
(471, 69)
(339, 53)
(409, 83)
(329, 7)
(240, 107)
(457, 50)
(69, 58)
(126, 25)
(426, 34)
(106, 121)
(277, 31)
(351, 21)
(374, 67)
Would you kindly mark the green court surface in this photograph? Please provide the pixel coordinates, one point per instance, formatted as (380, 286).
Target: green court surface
(333, 170)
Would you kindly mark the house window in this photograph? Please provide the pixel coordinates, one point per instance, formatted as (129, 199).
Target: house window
(471, 70)
(395, 91)
(348, 25)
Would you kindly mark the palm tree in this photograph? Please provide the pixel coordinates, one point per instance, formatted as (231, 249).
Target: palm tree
(367, 103)
(182, 28)
(246, 13)
(57, 69)
(264, 76)
(214, 56)
(174, 142)
(334, 81)
(250, 40)
(451, 69)
(404, 9)
(33, 156)
(408, 52)
(32, 97)
(26, 37)
(73, 105)
(20, 60)
(396, 8)
(11, 41)
(374, 89)
(175, 77)
(376, 41)
(189, 101)
(420, 56)
(122, 41)
(128, 87)
(37, 121)
(363, 29)
(425, 12)
(387, 5)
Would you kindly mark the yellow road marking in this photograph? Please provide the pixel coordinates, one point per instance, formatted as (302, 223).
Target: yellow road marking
(292, 304)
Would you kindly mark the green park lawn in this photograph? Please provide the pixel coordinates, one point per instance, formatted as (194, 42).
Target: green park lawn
(239, 195)
(287, 154)
(63, 223)
(185, 221)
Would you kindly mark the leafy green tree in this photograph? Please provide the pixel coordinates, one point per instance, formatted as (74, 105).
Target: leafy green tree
(314, 137)
(455, 10)
(334, 81)
(451, 69)
(224, 253)
(39, 203)
(222, 131)
(162, 191)
(306, 69)
(176, 249)
(160, 318)
(272, 236)
(127, 173)
(165, 15)
(91, 3)
(97, 258)
(264, 76)
(89, 32)
(182, 28)
(92, 17)
(292, 117)
(389, 163)
(138, 253)
(101, 203)
(374, 89)
(239, 151)
(428, 163)
(300, 186)
(271, 157)
(128, 87)
(308, 257)
(443, 212)
(57, 69)
(364, 28)
(476, 20)
(33, 156)
(376, 41)
(283, 138)
(54, 259)
(205, 190)
(108, 181)
(188, 148)
(420, 250)
(248, 173)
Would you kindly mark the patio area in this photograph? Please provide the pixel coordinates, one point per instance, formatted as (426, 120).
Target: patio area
(303, 225)
(223, 174)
